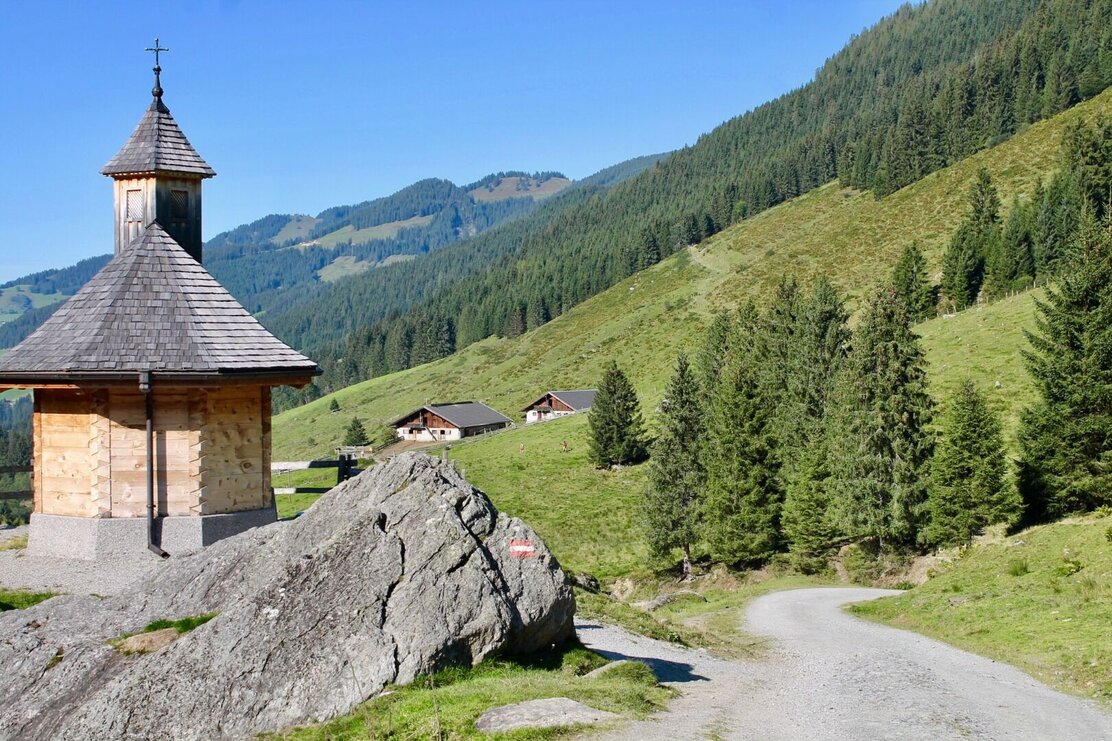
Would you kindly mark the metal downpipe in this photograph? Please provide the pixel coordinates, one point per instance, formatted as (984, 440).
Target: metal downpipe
(145, 387)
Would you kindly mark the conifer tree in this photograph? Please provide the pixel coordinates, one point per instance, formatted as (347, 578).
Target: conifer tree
(712, 354)
(912, 283)
(963, 263)
(961, 268)
(676, 475)
(969, 489)
(822, 345)
(356, 434)
(743, 495)
(617, 429)
(334, 405)
(775, 345)
(1011, 266)
(1066, 437)
(880, 438)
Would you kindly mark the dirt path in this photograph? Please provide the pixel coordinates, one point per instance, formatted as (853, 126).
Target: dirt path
(832, 676)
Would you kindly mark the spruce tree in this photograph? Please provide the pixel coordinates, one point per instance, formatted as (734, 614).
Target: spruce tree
(975, 240)
(961, 268)
(617, 429)
(334, 405)
(743, 495)
(880, 436)
(1011, 266)
(1066, 437)
(356, 434)
(969, 488)
(822, 345)
(912, 283)
(676, 476)
(712, 355)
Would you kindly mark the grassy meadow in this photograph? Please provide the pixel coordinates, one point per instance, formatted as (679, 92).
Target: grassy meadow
(1041, 600)
(14, 300)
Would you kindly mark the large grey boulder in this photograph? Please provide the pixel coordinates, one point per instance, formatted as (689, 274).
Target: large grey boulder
(401, 571)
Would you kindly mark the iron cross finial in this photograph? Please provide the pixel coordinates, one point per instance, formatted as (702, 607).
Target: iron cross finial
(156, 49)
(157, 90)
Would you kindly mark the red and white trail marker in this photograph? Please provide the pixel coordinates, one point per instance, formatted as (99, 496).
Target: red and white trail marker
(522, 549)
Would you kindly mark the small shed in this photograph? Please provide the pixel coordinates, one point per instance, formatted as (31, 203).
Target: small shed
(559, 404)
(450, 421)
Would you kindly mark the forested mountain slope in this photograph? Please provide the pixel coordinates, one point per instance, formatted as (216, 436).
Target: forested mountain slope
(284, 260)
(844, 233)
(921, 90)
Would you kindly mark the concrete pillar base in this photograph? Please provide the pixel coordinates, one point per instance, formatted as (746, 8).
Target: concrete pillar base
(61, 536)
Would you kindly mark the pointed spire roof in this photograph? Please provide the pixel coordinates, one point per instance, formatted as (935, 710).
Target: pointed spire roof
(153, 307)
(158, 145)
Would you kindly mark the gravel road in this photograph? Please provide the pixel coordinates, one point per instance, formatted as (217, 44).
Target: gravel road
(832, 676)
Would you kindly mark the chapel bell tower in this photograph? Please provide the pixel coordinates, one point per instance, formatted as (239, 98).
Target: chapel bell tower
(158, 177)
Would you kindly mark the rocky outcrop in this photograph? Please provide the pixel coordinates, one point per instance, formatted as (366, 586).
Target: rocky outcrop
(401, 571)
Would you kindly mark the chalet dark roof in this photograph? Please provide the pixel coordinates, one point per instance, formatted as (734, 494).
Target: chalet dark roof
(577, 400)
(158, 145)
(153, 307)
(461, 414)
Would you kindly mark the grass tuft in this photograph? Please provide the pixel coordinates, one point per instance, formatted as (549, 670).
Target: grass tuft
(182, 626)
(17, 543)
(19, 599)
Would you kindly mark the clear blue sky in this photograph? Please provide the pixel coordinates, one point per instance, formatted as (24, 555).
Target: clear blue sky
(301, 106)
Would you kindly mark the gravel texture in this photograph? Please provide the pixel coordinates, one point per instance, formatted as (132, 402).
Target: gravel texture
(19, 570)
(833, 676)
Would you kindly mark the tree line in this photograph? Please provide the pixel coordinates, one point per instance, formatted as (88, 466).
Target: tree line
(790, 432)
(990, 256)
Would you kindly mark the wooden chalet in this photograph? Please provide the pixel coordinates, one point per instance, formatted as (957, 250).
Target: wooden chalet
(451, 421)
(559, 404)
(151, 384)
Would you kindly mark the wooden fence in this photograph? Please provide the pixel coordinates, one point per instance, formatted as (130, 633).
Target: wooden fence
(344, 465)
(9, 470)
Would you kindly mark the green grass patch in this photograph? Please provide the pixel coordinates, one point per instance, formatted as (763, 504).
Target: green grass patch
(1041, 600)
(589, 518)
(17, 543)
(342, 267)
(290, 504)
(18, 599)
(446, 705)
(359, 236)
(182, 626)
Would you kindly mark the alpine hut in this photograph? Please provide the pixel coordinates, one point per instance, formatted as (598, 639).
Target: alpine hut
(152, 384)
(449, 421)
(559, 404)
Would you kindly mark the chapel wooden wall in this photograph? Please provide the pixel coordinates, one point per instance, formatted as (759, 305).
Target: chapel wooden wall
(212, 451)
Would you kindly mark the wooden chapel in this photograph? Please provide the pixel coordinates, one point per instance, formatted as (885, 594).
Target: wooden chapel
(152, 383)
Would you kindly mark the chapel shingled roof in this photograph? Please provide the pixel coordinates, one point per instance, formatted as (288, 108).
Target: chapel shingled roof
(158, 145)
(153, 307)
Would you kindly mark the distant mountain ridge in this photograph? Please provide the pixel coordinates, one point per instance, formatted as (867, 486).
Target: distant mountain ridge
(282, 260)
